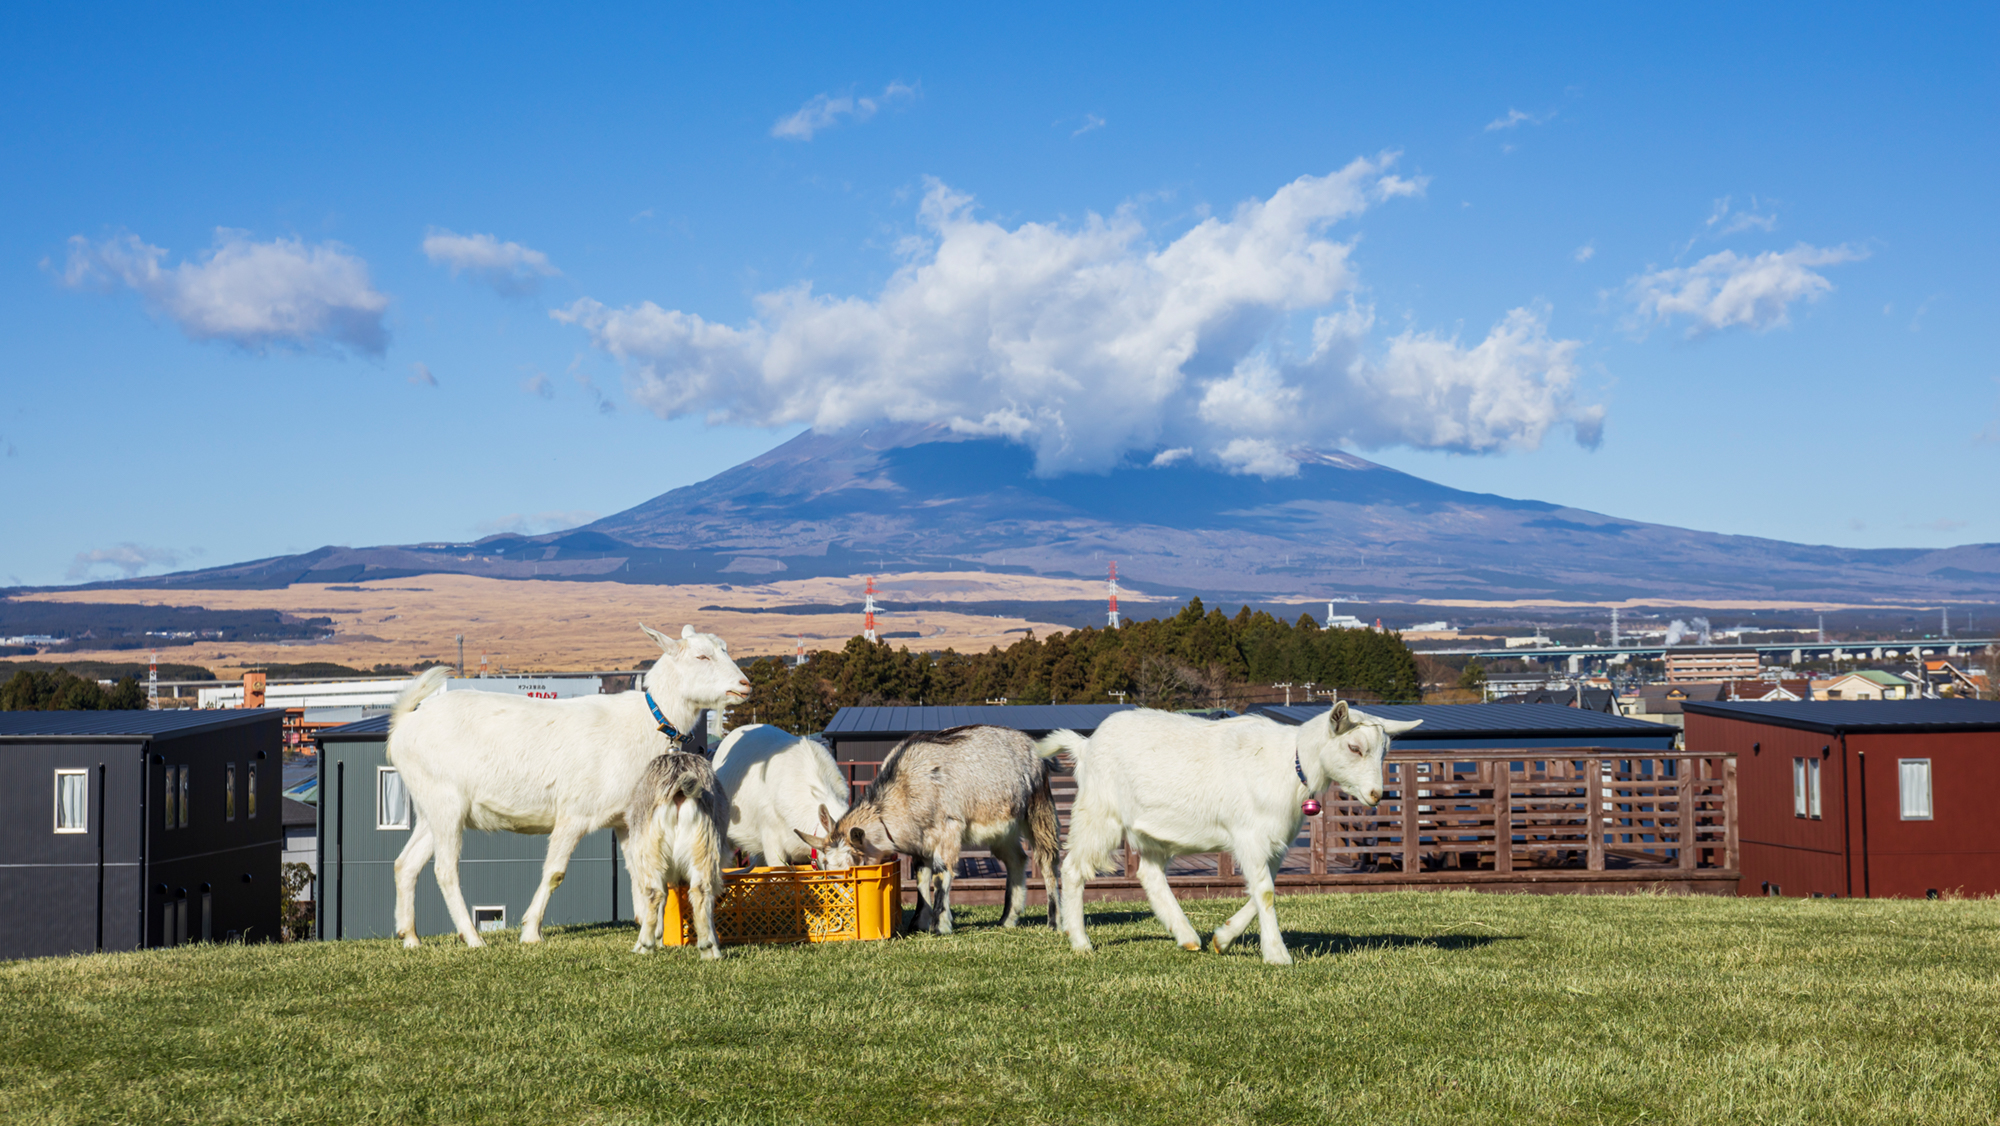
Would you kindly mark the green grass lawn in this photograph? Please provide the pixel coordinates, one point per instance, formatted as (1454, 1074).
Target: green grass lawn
(1402, 1008)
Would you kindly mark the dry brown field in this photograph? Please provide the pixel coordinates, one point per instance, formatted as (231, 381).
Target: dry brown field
(577, 626)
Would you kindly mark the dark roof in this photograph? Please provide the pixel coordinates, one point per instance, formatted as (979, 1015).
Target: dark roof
(299, 813)
(132, 725)
(1841, 717)
(375, 726)
(897, 722)
(1473, 726)
(1594, 699)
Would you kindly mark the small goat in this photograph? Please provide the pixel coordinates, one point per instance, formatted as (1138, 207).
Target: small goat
(1170, 785)
(937, 792)
(675, 826)
(775, 781)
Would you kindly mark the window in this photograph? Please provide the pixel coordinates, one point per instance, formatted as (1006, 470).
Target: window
(1798, 787)
(489, 919)
(392, 801)
(72, 801)
(250, 795)
(229, 791)
(1913, 782)
(184, 796)
(1812, 788)
(173, 789)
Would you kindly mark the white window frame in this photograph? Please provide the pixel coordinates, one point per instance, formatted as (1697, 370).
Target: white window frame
(382, 776)
(484, 926)
(1798, 787)
(1903, 794)
(85, 826)
(1812, 789)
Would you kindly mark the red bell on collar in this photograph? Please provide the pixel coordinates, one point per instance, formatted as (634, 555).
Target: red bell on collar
(1311, 807)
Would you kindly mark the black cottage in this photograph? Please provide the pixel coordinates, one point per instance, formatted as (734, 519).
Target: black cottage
(129, 830)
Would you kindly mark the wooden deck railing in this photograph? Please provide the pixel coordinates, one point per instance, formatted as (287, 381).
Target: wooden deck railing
(1517, 816)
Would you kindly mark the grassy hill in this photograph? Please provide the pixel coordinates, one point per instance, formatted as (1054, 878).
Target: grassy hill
(1421, 1008)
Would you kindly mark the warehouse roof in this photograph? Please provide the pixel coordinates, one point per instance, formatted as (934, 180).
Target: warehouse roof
(886, 722)
(125, 725)
(1500, 726)
(1843, 717)
(375, 726)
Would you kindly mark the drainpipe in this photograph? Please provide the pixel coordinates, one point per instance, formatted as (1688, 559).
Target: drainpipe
(100, 858)
(340, 849)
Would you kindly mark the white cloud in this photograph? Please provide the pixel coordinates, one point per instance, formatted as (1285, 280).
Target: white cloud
(1089, 343)
(1585, 252)
(510, 268)
(1515, 118)
(824, 111)
(1090, 121)
(1725, 290)
(128, 559)
(252, 294)
(534, 524)
(539, 384)
(420, 375)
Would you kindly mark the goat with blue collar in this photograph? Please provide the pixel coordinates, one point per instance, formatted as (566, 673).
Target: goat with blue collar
(564, 768)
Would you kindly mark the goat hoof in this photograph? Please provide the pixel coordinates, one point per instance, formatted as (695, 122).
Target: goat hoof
(474, 942)
(530, 939)
(1190, 946)
(410, 942)
(1215, 943)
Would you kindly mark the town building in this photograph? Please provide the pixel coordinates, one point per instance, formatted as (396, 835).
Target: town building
(127, 830)
(1867, 684)
(1706, 662)
(1861, 798)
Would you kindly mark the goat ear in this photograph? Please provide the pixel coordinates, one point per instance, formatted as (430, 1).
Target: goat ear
(825, 821)
(857, 836)
(1342, 722)
(816, 842)
(687, 633)
(666, 644)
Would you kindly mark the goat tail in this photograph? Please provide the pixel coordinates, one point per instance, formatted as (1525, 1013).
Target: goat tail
(1056, 742)
(420, 688)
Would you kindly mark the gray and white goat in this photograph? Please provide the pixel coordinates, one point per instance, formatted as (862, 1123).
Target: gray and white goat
(940, 791)
(676, 833)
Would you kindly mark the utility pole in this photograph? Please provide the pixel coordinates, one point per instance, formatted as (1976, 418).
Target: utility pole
(1288, 693)
(461, 656)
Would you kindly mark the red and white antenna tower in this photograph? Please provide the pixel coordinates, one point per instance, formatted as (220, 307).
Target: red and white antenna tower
(868, 608)
(1112, 588)
(801, 658)
(153, 684)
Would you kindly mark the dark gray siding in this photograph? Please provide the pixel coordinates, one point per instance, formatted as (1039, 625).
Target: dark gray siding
(48, 881)
(235, 863)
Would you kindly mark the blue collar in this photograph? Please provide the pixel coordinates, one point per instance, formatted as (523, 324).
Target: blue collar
(666, 728)
(1295, 766)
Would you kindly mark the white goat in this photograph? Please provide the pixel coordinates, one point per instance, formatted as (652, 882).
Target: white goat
(1171, 785)
(778, 784)
(567, 768)
(676, 831)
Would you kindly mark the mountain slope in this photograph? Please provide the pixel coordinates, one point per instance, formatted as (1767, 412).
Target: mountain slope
(919, 497)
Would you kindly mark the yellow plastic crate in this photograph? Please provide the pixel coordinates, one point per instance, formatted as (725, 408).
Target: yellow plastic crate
(796, 904)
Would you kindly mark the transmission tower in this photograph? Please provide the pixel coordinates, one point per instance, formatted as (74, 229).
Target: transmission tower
(1112, 587)
(1614, 627)
(153, 684)
(868, 611)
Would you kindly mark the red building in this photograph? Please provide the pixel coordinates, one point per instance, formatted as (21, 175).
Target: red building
(1861, 798)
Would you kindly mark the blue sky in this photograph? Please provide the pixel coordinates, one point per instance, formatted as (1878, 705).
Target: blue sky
(273, 280)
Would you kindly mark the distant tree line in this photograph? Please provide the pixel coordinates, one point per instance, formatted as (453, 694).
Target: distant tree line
(54, 690)
(1196, 658)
